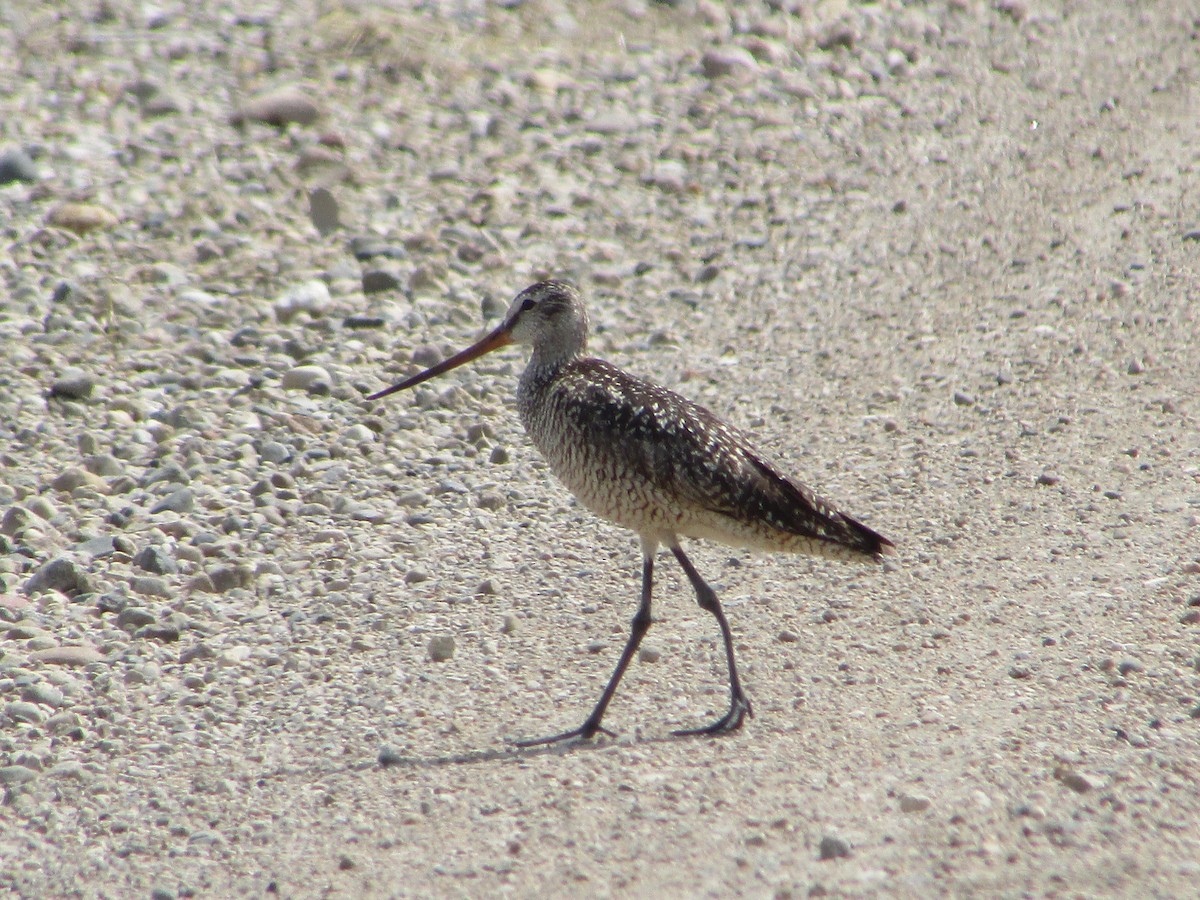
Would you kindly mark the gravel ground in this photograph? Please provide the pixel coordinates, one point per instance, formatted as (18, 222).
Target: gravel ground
(940, 259)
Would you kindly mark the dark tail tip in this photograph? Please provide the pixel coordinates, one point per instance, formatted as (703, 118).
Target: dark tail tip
(870, 541)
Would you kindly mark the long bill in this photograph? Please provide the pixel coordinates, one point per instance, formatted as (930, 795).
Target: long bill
(496, 339)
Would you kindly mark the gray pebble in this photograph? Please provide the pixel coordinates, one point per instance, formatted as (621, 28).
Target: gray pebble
(104, 464)
(15, 520)
(313, 379)
(834, 847)
(375, 281)
(719, 62)
(911, 803)
(441, 647)
(16, 165)
(226, 578)
(73, 384)
(16, 775)
(133, 617)
(323, 211)
(278, 107)
(180, 501)
(60, 574)
(157, 560)
(274, 452)
(24, 711)
(962, 398)
(310, 297)
(41, 692)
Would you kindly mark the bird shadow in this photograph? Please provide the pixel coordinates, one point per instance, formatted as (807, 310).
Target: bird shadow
(509, 753)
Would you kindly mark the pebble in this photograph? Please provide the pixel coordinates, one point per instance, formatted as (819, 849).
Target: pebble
(719, 62)
(313, 379)
(23, 711)
(649, 653)
(73, 384)
(81, 217)
(310, 296)
(323, 210)
(375, 281)
(133, 617)
(41, 692)
(441, 647)
(157, 560)
(279, 107)
(16, 165)
(59, 574)
(13, 775)
(911, 803)
(227, 578)
(180, 501)
(1076, 781)
(68, 656)
(834, 847)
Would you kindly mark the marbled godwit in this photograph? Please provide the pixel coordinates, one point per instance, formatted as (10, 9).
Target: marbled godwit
(652, 461)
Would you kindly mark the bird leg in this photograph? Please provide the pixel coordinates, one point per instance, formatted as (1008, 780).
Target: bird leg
(640, 625)
(739, 703)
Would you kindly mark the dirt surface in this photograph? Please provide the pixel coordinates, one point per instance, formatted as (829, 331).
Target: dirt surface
(940, 260)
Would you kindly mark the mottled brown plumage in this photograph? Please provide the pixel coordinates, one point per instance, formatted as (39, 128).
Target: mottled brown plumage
(652, 461)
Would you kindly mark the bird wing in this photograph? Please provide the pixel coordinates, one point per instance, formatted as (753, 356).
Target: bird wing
(687, 455)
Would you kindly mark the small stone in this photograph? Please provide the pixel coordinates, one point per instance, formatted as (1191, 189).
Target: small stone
(1136, 367)
(788, 637)
(962, 398)
(16, 775)
(312, 297)
(508, 624)
(73, 384)
(1076, 781)
(1016, 10)
(24, 711)
(67, 656)
(389, 757)
(499, 455)
(911, 803)
(81, 217)
(365, 247)
(375, 281)
(274, 452)
(441, 647)
(837, 35)
(155, 559)
(279, 107)
(833, 847)
(323, 210)
(1019, 672)
(719, 62)
(649, 654)
(16, 165)
(227, 578)
(1048, 478)
(180, 501)
(15, 520)
(313, 379)
(59, 574)
(41, 692)
(132, 618)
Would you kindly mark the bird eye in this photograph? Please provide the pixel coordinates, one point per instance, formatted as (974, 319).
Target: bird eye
(529, 304)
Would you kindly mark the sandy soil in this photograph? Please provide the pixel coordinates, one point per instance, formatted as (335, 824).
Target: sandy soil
(940, 259)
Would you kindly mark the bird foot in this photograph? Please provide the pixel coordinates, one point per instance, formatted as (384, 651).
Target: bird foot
(739, 708)
(584, 732)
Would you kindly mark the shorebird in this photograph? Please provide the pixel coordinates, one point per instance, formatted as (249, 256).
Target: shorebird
(652, 461)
